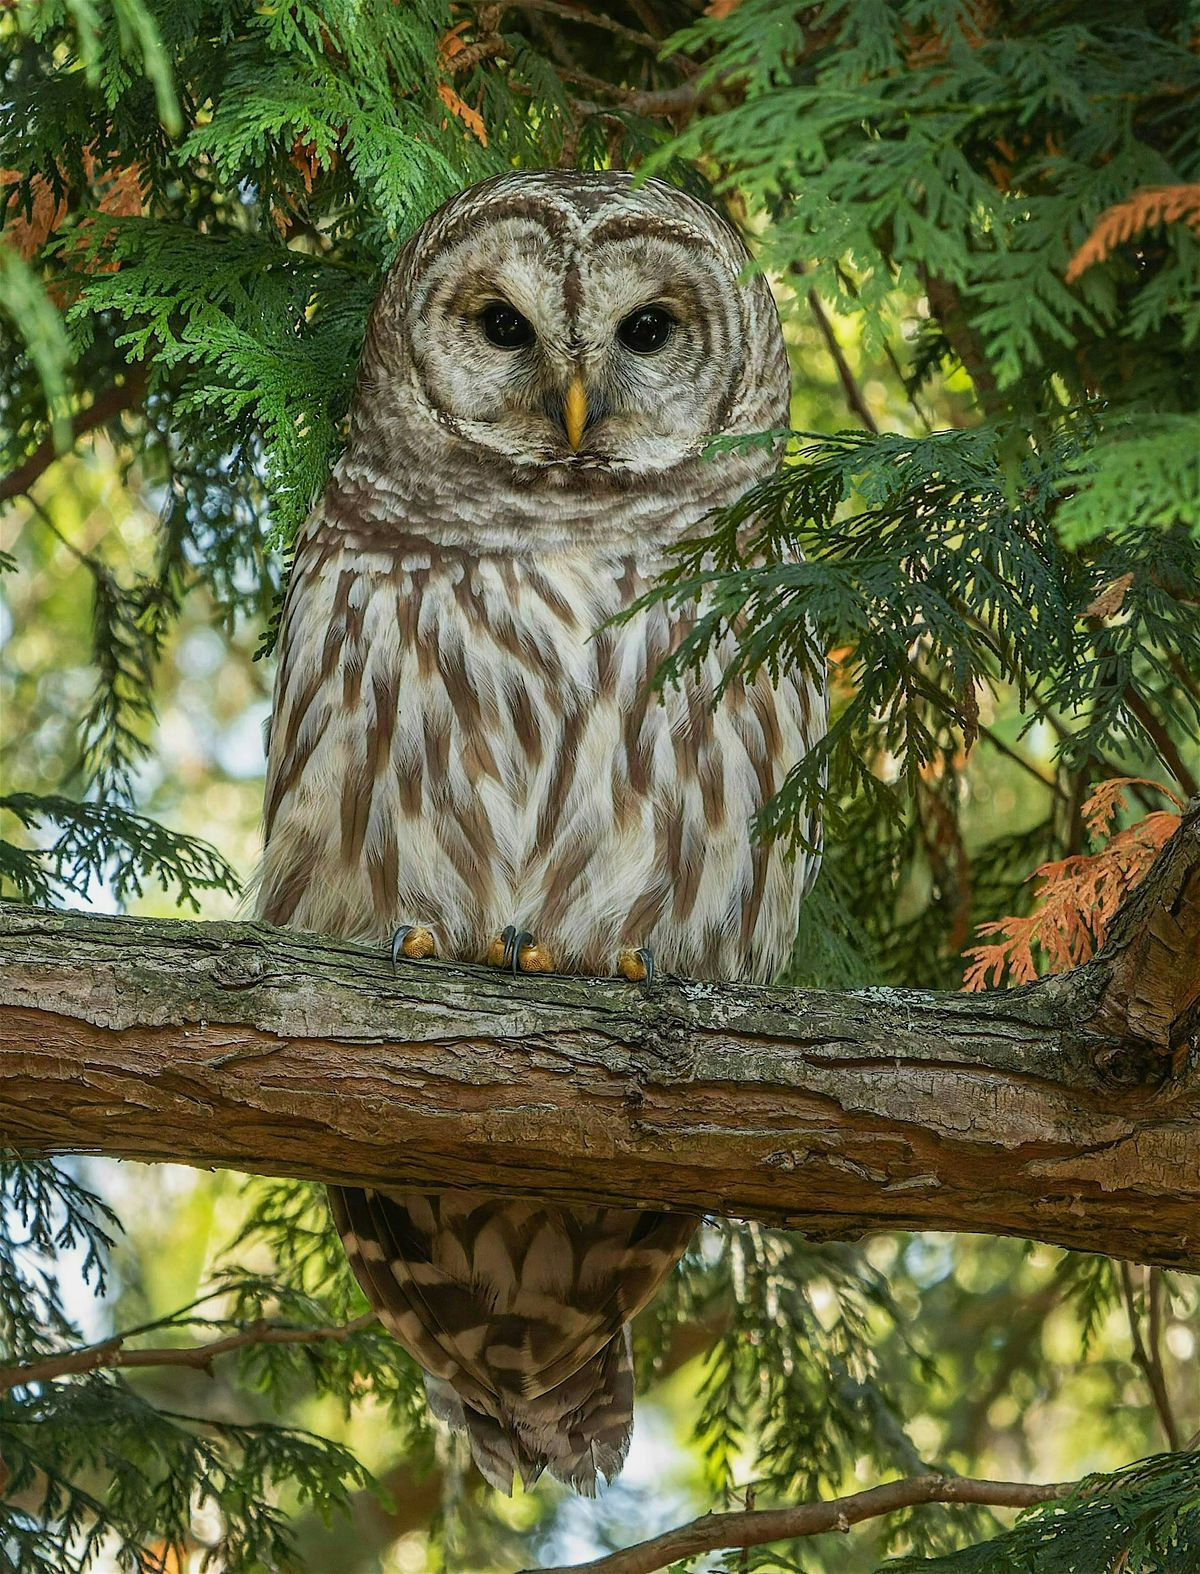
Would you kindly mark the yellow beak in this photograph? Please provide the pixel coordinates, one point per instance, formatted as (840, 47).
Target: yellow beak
(575, 411)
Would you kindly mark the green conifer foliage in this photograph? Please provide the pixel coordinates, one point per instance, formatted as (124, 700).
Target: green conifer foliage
(1000, 199)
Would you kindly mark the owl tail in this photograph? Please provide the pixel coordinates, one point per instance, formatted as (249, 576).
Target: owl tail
(578, 1431)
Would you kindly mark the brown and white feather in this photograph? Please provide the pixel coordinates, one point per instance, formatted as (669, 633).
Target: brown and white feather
(462, 740)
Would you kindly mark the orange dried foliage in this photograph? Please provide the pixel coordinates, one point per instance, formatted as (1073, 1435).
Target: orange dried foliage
(28, 234)
(1110, 600)
(303, 157)
(719, 8)
(1138, 213)
(1078, 896)
(120, 189)
(927, 46)
(116, 190)
(471, 118)
(451, 43)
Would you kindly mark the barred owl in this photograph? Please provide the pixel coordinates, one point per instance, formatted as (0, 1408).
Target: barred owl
(467, 756)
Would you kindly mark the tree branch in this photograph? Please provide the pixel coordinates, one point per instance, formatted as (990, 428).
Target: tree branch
(1067, 1110)
(571, 13)
(855, 401)
(724, 1532)
(1162, 742)
(1149, 1361)
(104, 408)
(111, 1353)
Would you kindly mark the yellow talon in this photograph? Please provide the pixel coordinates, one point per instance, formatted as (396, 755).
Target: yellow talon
(519, 952)
(637, 966)
(413, 943)
(534, 959)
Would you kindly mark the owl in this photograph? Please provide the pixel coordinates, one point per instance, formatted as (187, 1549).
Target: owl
(468, 758)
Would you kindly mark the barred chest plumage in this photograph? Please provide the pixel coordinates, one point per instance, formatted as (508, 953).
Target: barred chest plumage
(462, 741)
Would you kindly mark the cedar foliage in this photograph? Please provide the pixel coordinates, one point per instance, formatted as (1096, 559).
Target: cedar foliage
(197, 201)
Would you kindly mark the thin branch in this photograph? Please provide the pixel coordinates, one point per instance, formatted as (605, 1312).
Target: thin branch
(853, 393)
(1164, 744)
(946, 304)
(103, 409)
(570, 13)
(77, 553)
(111, 1353)
(724, 1532)
(649, 21)
(1154, 1332)
(475, 54)
(851, 288)
(1150, 1368)
(998, 743)
(656, 101)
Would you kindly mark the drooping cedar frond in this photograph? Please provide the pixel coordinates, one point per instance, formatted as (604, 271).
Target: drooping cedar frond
(1124, 220)
(1077, 897)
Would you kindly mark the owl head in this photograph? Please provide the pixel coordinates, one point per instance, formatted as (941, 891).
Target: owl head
(568, 328)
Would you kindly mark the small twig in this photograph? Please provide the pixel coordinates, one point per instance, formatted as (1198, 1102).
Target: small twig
(648, 19)
(718, 1532)
(111, 1352)
(946, 304)
(851, 288)
(853, 393)
(472, 55)
(1164, 744)
(657, 101)
(1151, 1369)
(106, 405)
(77, 553)
(570, 13)
(1154, 1284)
(1017, 758)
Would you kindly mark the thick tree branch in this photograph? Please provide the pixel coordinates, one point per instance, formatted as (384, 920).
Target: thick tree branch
(1068, 1110)
(737, 1530)
(111, 1353)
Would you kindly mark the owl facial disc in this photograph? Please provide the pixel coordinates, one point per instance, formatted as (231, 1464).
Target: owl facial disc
(566, 322)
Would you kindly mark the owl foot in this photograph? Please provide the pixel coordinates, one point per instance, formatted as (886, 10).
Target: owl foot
(412, 942)
(519, 952)
(637, 966)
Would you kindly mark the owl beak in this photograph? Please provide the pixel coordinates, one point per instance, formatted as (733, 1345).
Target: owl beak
(575, 410)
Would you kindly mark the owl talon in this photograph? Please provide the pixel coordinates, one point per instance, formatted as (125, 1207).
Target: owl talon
(518, 943)
(413, 943)
(519, 953)
(637, 966)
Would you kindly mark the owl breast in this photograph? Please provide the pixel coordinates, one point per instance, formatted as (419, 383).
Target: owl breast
(463, 741)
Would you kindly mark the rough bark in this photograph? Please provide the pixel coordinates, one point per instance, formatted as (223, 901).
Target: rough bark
(1067, 1110)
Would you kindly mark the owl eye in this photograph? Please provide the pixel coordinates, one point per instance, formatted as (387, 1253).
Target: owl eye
(505, 327)
(646, 329)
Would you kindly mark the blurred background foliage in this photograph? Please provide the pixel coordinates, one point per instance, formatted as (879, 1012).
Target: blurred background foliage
(981, 223)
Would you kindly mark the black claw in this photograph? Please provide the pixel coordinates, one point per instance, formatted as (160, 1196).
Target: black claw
(509, 935)
(398, 940)
(524, 938)
(647, 957)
